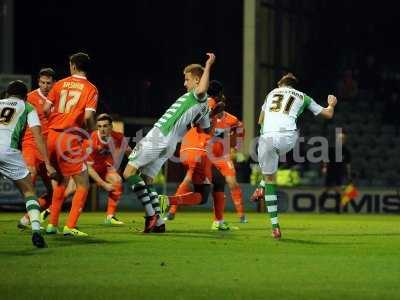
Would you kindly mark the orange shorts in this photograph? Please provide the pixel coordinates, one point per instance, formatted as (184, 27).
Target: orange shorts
(198, 163)
(105, 171)
(66, 152)
(225, 167)
(31, 155)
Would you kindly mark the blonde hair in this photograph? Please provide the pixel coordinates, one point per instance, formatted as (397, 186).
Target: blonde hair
(194, 69)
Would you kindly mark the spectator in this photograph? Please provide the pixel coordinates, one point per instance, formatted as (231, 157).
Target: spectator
(337, 170)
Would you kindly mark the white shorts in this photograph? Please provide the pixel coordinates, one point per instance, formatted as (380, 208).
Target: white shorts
(271, 146)
(12, 164)
(151, 153)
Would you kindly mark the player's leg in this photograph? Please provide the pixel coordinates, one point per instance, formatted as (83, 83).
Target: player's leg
(268, 154)
(268, 159)
(78, 203)
(199, 175)
(13, 166)
(183, 188)
(146, 154)
(237, 197)
(227, 169)
(57, 201)
(32, 206)
(218, 194)
(45, 198)
(113, 197)
(29, 157)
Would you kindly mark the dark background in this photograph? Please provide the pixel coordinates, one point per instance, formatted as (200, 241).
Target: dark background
(139, 48)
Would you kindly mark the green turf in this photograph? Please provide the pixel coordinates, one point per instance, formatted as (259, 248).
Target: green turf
(319, 257)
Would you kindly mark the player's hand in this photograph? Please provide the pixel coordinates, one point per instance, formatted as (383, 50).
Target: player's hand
(52, 173)
(108, 187)
(211, 59)
(257, 195)
(332, 101)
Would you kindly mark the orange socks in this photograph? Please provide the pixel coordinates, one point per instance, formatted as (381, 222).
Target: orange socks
(237, 199)
(113, 198)
(185, 199)
(183, 188)
(78, 202)
(56, 204)
(219, 205)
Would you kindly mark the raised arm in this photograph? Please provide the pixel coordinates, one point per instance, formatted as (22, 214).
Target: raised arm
(202, 88)
(329, 111)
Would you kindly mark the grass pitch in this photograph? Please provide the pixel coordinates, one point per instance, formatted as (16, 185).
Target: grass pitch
(319, 257)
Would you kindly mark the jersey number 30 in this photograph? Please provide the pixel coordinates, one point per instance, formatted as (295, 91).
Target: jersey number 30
(277, 104)
(68, 100)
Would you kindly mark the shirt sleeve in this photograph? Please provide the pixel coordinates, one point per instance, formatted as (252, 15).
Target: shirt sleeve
(32, 116)
(264, 106)
(312, 106)
(91, 103)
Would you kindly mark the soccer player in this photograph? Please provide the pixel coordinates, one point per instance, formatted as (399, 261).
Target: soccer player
(190, 110)
(73, 101)
(103, 163)
(282, 107)
(15, 114)
(30, 152)
(199, 171)
(227, 127)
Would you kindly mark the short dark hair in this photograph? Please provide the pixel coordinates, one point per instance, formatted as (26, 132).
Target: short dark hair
(288, 80)
(17, 88)
(81, 61)
(49, 72)
(215, 88)
(104, 117)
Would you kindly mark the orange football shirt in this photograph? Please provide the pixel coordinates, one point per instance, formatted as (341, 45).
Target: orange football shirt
(71, 97)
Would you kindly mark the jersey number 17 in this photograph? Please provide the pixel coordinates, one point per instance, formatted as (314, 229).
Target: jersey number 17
(68, 100)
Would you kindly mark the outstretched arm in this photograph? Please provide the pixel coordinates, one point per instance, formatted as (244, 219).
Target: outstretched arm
(202, 88)
(329, 111)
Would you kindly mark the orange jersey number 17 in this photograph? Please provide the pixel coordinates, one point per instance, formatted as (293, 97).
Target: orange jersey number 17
(68, 99)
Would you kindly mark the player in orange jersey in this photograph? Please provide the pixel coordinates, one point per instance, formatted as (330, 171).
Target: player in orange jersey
(108, 146)
(194, 156)
(30, 152)
(228, 132)
(73, 101)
